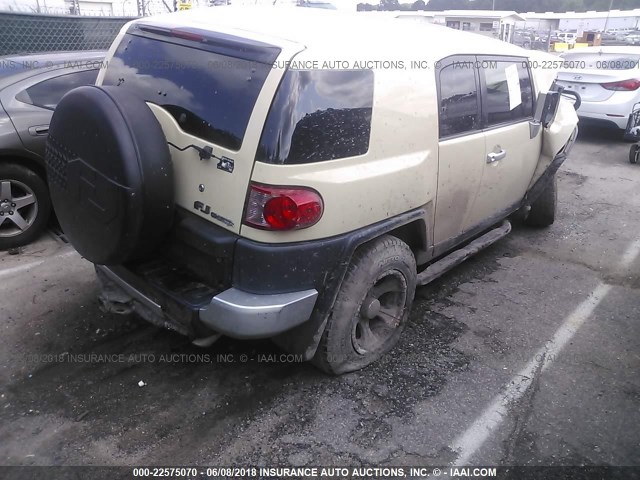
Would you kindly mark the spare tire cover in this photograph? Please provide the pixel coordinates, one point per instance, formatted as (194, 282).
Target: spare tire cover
(110, 174)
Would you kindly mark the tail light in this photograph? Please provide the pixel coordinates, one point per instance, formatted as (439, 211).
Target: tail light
(282, 208)
(186, 35)
(625, 85)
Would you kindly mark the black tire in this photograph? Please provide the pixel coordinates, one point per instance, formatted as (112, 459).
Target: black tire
(110, 174)
(633, 154)
(21, 225)
(383, 270)
(543, 210)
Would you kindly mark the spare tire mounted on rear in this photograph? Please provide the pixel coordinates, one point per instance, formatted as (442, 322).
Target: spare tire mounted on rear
(110, 174)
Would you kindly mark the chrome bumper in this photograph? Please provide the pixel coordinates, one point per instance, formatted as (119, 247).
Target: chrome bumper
(234, 312)
(240, 314)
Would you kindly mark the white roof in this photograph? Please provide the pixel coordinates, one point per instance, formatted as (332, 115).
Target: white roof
(481, 13)
(334, 34)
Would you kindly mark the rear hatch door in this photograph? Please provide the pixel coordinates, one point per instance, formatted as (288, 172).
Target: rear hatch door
(211, 93)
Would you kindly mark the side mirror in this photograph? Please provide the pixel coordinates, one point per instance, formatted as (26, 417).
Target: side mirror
(547, 106)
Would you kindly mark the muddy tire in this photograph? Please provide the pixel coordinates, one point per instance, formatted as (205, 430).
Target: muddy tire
(371, 309)
(543, 210)
(25, 207)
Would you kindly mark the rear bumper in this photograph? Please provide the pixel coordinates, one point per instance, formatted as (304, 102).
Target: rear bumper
(245, 315)
(611, 110)
(602, 120)
(206, 280)
(233, 312)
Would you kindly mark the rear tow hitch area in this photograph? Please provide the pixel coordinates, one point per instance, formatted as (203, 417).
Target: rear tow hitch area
(108, 305)
(113, 299)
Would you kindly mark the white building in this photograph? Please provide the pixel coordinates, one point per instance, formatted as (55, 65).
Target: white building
(493, 23)
(583, 21)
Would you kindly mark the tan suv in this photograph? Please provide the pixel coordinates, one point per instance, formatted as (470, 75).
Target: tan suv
(295, 174)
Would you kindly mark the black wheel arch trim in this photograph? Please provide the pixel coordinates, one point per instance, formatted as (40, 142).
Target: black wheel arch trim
(304, 339)
(539, 186)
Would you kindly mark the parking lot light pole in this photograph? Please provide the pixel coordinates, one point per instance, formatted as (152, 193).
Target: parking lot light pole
(606, 20)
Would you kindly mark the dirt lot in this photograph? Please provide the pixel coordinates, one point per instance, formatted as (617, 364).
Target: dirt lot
(526, 354)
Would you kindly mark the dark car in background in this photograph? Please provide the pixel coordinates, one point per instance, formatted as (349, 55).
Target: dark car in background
(523, 38)
(30, 88)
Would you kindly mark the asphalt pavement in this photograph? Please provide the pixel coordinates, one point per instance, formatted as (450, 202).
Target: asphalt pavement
(527, 354)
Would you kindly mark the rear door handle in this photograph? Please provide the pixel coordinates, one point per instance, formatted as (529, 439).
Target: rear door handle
(496, 156)
(39, 130)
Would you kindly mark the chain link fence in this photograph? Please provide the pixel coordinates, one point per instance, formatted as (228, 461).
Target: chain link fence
(32, 33)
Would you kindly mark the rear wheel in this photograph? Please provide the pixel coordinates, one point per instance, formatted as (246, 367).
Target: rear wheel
(371, 309)
(634, 151)
(543, 210)
(24, 205)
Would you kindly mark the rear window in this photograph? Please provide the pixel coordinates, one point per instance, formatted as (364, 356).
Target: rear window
(459, 111)
(601, 61)
(318, 115)
(210, 95)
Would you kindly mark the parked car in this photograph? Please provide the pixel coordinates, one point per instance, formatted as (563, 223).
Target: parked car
(226, 177)
(632, 38)
(607, 80)
(523, 38)
(621, 34)
(30, 88)
(565, 37)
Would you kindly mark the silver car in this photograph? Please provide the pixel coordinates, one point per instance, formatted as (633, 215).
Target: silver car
(30, 88)
(632, 39)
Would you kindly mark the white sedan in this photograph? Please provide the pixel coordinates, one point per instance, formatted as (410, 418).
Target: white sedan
(608, 81)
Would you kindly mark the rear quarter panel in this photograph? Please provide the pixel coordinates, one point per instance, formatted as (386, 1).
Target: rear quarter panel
(397, 174)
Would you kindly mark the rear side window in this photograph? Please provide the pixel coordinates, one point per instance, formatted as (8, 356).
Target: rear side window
(48, 93)
(509, 95)
(318, 115)
(459, 110)
(209, 94)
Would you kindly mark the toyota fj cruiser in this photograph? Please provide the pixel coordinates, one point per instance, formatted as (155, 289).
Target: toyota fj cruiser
(296, 174)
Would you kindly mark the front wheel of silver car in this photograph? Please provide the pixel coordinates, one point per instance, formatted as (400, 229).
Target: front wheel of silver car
(372, 307)
(24, 205)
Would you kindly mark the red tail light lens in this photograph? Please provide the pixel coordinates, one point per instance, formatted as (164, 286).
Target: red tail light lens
(282, 208)
(186, 35)
(627, 85)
